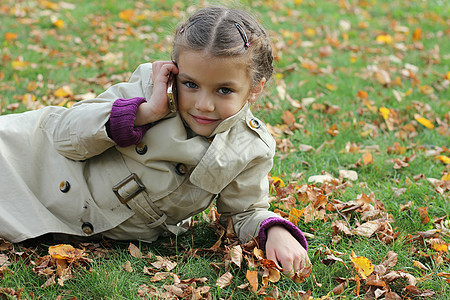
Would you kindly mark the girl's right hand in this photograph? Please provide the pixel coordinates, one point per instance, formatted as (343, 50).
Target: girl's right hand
(157, 106)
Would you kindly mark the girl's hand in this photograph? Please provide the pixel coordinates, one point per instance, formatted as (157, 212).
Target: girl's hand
(157, 107)
(284, 249)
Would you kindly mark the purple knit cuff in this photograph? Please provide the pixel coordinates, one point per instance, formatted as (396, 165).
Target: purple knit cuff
(120, 126)
(269, 222)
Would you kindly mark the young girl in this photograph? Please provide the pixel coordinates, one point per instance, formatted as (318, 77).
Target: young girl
(122, 165)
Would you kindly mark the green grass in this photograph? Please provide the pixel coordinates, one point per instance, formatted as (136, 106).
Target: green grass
(97, 48)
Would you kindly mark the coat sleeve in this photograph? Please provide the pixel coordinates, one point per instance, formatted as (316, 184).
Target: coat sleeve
(246, 199)
(79, 132)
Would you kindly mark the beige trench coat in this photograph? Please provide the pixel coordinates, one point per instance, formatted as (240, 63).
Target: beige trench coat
(61, 173)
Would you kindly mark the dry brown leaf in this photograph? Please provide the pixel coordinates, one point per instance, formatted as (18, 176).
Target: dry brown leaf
(252, 277)
(163, 263)
(134, 251)
(128, 267)
(367, 229)
(224, 280)
(236, 255)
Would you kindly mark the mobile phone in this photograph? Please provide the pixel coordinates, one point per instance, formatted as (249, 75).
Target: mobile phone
(172, 93)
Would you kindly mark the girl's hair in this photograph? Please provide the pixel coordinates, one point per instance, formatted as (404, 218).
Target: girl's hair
(224, 31)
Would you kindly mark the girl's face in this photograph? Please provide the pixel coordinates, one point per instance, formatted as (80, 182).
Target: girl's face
(211, 89)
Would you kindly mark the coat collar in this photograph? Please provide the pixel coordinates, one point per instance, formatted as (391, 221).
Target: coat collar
(228, 123)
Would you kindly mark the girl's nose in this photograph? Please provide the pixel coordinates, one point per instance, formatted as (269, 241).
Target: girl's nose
(204, 103)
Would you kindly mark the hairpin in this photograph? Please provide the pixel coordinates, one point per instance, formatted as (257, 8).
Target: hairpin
(182, 29)
(243, 35)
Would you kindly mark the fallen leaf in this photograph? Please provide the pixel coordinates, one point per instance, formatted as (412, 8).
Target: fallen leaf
(66, 252)
(134, 251)
(224, 280)
(423, 121)
(367, 158)
(236, 255)
(363, 266)
(424, 214)
(367, 229)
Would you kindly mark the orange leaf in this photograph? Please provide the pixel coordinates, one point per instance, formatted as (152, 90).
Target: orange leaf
(269, 264)
(65, 252)
(288, 118)
(367, 158)
(333, 131)
(424, 214)
(126, 14)
(362, 95)
(252, 277)
(417, 34)
(9, 36)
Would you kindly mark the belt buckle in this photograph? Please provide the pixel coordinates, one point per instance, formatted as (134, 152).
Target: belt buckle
(140, 187)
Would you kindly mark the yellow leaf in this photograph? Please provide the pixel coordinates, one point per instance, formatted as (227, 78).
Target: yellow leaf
(426, 89)
(58, 23)
(363, 266)
(277, 181)
(9, 36)
(28, 97)
(444, 159)
(65, 252)
(49, 4)
(419, 265)
(310, 32)
(425, 122)
(63, 92)
(385, 112)
(126, 14)
(19, 64)
(294, 215)
(331, 87)
(384, 39)
(440, 247)
(446, 177)
(252, 277)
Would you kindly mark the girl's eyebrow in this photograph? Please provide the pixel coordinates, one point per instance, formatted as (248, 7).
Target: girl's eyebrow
(185, 76)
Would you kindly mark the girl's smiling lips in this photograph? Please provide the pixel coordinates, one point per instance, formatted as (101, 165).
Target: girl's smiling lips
(204, 120)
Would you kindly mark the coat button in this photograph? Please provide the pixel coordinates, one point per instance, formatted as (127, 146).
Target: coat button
(87, 228)
(141, 148)
(64, 186)
(181, 169)
(254, 123)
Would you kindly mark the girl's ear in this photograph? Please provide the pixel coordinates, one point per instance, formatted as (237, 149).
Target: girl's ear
(257, 90)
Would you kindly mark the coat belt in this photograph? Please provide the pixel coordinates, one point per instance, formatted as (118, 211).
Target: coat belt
(131, 192)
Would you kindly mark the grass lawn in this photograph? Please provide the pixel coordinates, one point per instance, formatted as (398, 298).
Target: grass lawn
(359, 107)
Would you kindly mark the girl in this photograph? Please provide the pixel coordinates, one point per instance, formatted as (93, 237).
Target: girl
(122, 165)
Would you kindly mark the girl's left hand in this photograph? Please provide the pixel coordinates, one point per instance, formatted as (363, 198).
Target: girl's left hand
(284, 249)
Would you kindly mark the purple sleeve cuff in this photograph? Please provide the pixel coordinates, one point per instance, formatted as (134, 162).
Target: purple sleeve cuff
(269, 222)
(120, 126)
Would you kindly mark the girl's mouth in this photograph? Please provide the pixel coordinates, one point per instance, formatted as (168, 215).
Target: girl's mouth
(203, 120)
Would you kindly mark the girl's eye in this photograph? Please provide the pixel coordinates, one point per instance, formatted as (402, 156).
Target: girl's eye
(190, 85)
(225, 91)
